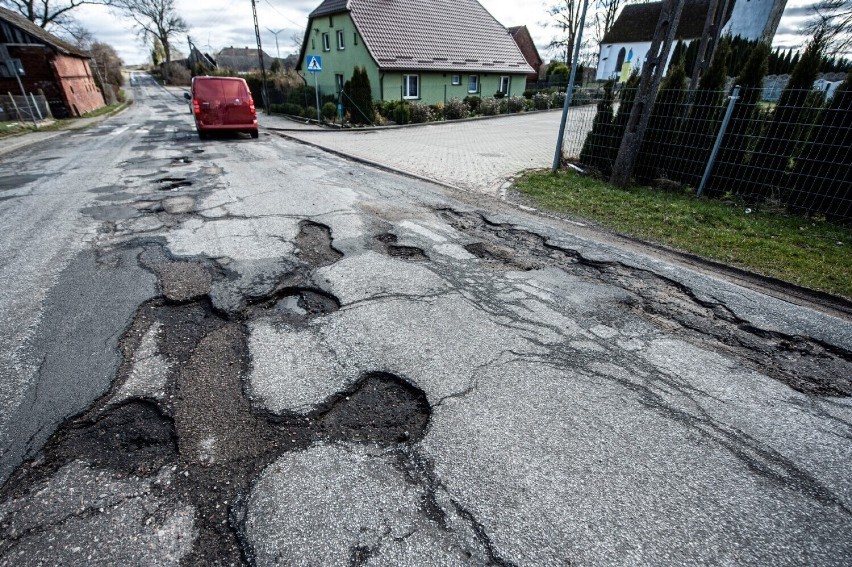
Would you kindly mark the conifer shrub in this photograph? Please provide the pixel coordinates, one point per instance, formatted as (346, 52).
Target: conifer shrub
(358, 98)
(660, 142)
(596, 152)
(745, 121)
(789, 125)
(822, 178)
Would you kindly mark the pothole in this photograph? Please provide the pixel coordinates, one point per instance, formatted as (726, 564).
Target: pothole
(380, 408)
(172, 183)
(499, 255)
(314, 245)
(388, 245)
(803, 363)
(294, 304)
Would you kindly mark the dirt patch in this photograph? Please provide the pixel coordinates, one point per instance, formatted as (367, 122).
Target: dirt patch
(380, 408)
(314, 245)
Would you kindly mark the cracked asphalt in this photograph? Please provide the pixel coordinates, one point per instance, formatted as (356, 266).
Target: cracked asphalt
(246, 351)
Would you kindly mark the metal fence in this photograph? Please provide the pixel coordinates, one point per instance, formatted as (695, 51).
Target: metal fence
(794, 152)
(23, 109)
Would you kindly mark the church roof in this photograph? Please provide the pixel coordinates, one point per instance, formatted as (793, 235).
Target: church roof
(637, 22)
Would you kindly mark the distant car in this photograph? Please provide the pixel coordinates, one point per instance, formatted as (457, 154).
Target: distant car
(222, 104)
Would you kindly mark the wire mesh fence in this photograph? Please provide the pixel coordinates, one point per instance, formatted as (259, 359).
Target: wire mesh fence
(794, 152)
(23, 109)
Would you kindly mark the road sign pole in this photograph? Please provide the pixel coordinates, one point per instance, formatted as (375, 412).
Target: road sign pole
(316, 91)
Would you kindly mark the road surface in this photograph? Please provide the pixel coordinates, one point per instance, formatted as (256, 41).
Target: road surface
(250, 351)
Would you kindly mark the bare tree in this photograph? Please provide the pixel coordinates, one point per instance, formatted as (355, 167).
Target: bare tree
(44, 13)
(832, 19)
(565, 16)
(605, 13)
(77, 34)
(155, 20)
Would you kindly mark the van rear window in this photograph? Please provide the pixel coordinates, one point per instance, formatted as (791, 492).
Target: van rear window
(208, 90)
(234, 89)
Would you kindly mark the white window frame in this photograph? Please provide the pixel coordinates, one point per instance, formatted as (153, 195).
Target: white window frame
(406, 93)
(475, 80)
(326, 43)
(456, 80)
(340, 42)
(508, 81)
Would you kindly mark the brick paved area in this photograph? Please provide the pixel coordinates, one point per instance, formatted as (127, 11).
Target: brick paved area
(476, 155)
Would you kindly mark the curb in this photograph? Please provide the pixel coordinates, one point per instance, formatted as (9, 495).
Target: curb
(370, 163)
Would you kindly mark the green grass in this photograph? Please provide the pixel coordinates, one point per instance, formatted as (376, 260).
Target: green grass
(12, 128)
(812, 253)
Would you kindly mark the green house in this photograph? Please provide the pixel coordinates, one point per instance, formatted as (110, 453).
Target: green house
(427, 51)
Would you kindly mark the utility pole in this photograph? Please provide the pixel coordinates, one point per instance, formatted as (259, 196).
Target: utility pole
(260, 58)
(569, 93)
(275, 33)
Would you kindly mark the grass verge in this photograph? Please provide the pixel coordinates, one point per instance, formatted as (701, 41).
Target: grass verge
(13, 128)
(808, 252)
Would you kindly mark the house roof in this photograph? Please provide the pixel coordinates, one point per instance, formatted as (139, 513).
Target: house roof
(637, 22)
(329, 7)
(434, 35)
(40, 35)
(240, 58)
(525, 42)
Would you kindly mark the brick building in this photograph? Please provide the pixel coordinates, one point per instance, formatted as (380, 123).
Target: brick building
(49, 65)
(525, 42)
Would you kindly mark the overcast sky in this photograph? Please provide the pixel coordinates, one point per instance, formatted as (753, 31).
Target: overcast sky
(215, 24)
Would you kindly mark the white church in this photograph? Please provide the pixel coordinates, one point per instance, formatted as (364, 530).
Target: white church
(627, 43)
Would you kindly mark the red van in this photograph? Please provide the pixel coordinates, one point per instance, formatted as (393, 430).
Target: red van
(222, 104)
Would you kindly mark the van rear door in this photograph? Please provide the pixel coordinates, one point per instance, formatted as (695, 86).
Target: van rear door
(237, 103)
(208, 93)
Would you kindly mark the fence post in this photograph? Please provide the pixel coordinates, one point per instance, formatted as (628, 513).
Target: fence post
(15, 106)
(733, 100)
(35, 104)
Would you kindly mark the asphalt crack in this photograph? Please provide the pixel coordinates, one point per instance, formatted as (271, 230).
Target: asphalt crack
(805, 364)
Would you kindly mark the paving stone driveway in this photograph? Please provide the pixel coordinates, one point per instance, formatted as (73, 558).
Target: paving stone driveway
(477, 155)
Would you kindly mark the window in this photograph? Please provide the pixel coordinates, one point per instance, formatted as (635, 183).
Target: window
(504, 85)
(338, 81)
(411, 86)
(326, 45)
(456, 79)
(473, 84)
(340, 39)
(355, 38)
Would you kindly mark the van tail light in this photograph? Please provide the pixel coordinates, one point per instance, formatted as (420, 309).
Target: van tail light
(251, 105)
(196, 108)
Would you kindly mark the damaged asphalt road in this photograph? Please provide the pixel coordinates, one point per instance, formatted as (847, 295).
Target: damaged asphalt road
(248, 352)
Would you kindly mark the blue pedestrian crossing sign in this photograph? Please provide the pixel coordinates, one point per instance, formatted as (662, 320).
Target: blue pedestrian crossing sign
(314, 63)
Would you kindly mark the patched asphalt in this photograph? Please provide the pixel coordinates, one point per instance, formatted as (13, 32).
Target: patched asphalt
(256, 353)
